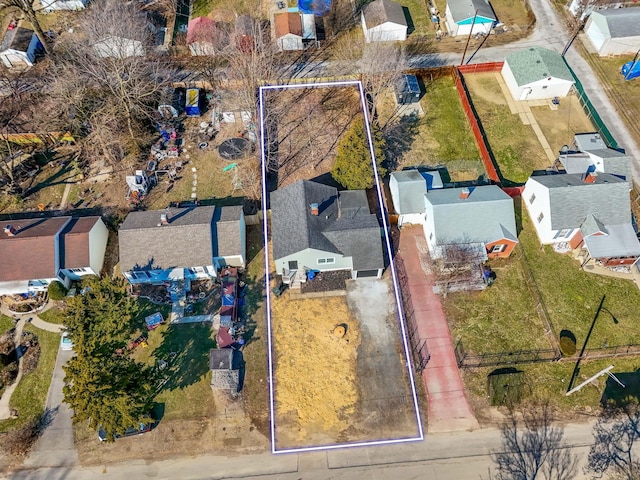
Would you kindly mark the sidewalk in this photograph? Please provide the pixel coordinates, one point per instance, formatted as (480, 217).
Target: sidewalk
(448, 407)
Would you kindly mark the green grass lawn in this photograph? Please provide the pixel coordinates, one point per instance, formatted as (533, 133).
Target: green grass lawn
(500, 318)
(441, 137)
(515, 145)
(572, 295)
(419, 15)
(30, 396)
(53, 315)
(5, 323)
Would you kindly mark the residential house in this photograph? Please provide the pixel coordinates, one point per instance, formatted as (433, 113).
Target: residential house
(482, 218)
(583, 8)
(57, 5)
(462, 15)
(614, 31)
(536, 73)
(118, 47)
(203, 36)
(384, 21)
(181, 243)
(313, 227)
(288, 30)
(589, 153)
(225, 375)
(37, 251)
(569, 209)
(408, 188)
(19, 47)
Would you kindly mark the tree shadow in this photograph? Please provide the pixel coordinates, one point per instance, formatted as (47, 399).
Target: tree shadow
(399, 137)
(614, 395)
(254, 242)
(410, 25)
(186, 350)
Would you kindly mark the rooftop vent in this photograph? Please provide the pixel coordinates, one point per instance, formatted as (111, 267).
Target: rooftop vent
(464, 193)
(314, 209)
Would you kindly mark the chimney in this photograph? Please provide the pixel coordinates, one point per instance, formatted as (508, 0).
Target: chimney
(464, 193)
(164, 219)
(10, 231)
(314, 209)
(590, 177)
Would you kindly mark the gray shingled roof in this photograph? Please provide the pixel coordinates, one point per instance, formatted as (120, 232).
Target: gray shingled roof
(464, 9)
(572, 200)
(618, 22)
(187, 240)
(411, 189)
(221, 359)
(537, 63)
(227, 231)
(592, 225)
(382, 11)
(17, 39)
(485, 216)
(576, 163)
(354, 233)
(620, 241)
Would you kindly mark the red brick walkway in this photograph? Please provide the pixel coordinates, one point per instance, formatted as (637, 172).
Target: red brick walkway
(448, 406)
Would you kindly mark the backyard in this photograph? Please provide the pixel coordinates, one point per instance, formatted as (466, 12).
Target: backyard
(517, 150)
(441, 137)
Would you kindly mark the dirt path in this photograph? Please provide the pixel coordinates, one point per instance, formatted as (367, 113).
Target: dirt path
(386, 407)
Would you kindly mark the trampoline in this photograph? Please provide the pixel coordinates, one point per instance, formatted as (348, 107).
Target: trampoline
(234, 148)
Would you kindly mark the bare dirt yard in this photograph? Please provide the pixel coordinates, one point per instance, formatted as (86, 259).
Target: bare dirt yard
(304, 126)
(340, 389)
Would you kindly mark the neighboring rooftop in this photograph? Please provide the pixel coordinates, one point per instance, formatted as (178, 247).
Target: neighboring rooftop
(75, 242)
(587, 142)
(618, 22)
(18, 39)
(465, 9)
(383, 11)
(287, 23)
(537, 63)
(618, 241)
(227, 231)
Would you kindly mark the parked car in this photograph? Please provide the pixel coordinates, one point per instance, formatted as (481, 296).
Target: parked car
(65, 342)
(129, 432)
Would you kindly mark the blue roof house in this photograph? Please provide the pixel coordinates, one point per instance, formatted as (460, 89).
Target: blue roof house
(459, 17)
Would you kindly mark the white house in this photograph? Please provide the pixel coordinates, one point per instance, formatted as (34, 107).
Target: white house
(37, 251)
(118, 47)
(49, 6)
(384, 21)
(615, 31)
(461, 15)
(181, 243)
(536, 73)
(19, 47)
(589, 153)
(408, 188)
(288, 30)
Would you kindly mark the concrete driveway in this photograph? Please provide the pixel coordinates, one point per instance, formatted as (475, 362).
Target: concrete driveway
(55, 448)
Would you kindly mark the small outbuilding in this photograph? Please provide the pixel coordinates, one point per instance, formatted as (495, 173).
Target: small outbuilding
(384, 21)
(203, 36)
(57, 5)
(223, 374)
(288, 28)
(19, 47)
(407, 89)
(461, 16)
(615, 31)
(536, 73)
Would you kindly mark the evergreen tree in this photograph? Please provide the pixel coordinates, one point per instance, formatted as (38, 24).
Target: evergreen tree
(109, 390)
(353, 168)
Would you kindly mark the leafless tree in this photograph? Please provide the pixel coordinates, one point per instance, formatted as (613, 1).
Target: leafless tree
(113, 57)
(458, 263)
(533, 447)
(616, 433)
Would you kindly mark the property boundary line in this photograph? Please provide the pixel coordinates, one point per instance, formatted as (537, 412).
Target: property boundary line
(267, 279)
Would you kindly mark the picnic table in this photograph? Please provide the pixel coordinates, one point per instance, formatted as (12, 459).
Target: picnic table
(153, 321)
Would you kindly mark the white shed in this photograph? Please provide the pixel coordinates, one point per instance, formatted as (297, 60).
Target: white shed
(19, 46)
(536, 73)
(288, 30)
(384, 21)
(615, 31)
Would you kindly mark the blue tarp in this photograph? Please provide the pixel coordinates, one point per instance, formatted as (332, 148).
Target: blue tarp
(154, 320)
(629, 72)
(315, 7)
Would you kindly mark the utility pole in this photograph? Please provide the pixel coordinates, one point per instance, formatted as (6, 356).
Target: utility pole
(475, 15)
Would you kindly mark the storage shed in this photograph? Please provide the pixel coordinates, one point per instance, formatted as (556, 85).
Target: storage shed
(615, 31)
(384, 21)
(536, 73)
(19, 47)
(407, 89)
(461, 15)
(223, 374)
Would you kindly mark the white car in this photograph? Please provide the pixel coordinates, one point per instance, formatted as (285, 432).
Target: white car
(65, 342)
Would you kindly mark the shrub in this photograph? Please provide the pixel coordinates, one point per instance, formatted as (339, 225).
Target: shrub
(567, 343)
(507, 386)
(57, 291)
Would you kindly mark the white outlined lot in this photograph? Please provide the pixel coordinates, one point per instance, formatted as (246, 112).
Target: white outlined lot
(387, 245)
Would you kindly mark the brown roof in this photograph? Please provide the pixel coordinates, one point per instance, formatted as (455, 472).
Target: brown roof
(75, 242)
(29, 254)
(288, 23)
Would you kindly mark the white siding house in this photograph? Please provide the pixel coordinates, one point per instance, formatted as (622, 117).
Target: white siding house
(57, 5)
(84, 242)
(615, 31)
(19, 47)
(384, 21)
(536, 73)
(408, 188)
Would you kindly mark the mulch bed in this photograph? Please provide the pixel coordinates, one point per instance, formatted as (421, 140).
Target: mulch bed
(327, 281)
